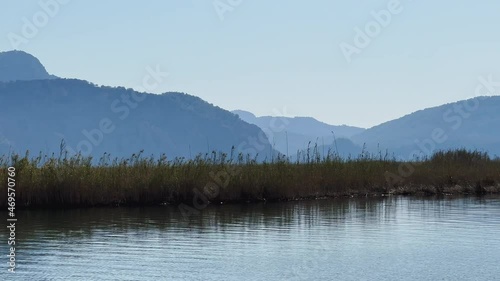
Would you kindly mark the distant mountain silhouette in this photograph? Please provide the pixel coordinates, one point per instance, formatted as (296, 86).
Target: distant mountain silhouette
(293, 134)
(18, 65)
(472, 124)
(39, 112)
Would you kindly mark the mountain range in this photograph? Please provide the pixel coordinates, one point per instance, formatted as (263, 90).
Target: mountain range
(291, 135)
(472, 124)
(41, 110)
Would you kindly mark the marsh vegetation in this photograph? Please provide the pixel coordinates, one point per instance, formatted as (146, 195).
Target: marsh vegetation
(75, 181)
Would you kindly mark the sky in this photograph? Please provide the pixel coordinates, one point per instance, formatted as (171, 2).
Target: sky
(293, 58)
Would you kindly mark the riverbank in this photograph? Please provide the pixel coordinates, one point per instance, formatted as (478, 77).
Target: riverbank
(76, 182)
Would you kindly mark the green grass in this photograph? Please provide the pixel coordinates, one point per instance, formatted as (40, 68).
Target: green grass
(51, 181)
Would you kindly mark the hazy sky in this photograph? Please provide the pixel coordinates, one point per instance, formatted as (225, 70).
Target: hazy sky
(272, 56)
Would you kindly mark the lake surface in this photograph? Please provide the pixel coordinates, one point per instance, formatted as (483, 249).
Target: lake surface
(391, 238)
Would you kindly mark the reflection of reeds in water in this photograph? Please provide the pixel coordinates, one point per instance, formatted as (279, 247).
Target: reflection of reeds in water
(52, 181)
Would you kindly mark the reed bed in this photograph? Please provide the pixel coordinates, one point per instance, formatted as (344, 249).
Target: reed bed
(76, 181)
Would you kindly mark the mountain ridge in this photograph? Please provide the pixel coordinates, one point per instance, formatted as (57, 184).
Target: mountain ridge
(441, 127)
(44, 110)
(21, 66)
(291, 135)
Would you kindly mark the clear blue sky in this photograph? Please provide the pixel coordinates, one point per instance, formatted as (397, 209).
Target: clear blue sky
(269, 55)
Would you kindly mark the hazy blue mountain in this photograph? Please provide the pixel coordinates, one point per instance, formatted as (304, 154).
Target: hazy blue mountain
(300, 125)
(38, 112)
(473, 124)
(18, 65)
(290, 135)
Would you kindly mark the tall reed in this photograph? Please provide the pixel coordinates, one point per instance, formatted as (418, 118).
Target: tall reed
(72, 181)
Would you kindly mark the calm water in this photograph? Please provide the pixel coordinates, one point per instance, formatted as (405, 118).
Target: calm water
(394, 238)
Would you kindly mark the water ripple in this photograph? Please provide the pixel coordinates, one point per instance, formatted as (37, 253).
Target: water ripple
(395, 238)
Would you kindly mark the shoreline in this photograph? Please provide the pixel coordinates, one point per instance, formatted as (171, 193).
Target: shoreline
(75, 182)
(402, 191)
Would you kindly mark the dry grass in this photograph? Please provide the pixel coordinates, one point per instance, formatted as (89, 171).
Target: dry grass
(64, 181)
